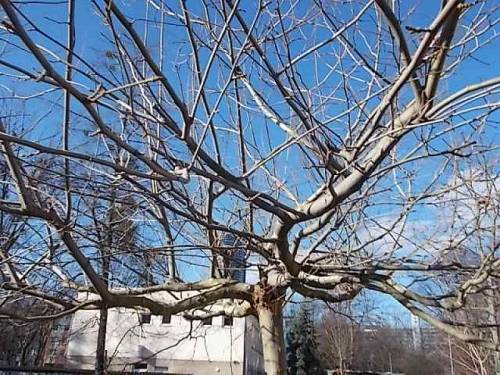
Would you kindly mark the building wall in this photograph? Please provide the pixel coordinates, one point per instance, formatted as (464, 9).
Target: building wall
(181, 347)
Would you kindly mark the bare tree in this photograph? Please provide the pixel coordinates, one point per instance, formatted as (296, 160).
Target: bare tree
(323, 135)
(478, 218)
(382, 345)
(339, 331)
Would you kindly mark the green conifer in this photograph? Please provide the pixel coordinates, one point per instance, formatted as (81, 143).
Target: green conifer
(301, 344)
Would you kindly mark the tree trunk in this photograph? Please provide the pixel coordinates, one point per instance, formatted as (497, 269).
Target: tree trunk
(495, 331)
(273, 342)
(100, 358)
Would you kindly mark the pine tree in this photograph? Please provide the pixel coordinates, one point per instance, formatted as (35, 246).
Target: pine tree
(301, 345)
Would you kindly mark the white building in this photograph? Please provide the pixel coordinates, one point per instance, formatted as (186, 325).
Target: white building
(137, 341)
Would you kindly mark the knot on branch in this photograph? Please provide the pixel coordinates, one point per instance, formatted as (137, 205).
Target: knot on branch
(268, 297)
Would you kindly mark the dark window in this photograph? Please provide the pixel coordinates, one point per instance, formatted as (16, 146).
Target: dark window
(228, 321)
(166, 319)
(207, 321)
(140, 367)
(145, 319)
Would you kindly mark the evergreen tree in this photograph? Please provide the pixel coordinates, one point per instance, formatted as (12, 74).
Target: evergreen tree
(301, 344)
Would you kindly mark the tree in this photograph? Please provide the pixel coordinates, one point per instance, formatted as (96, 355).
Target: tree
(23, 344)
(301, 343)
(339, 330)
(369, 345)
(479, 209)
(114, 238)
(325, 137)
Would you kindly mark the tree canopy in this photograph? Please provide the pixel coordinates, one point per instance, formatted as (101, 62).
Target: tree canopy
(348, 146)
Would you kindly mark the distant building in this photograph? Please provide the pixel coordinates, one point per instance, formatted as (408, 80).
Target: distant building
(234, 255)
(137, 341)
(420, 337)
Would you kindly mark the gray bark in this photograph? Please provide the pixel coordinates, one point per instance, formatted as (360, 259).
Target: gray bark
(273, 343)
(100, 360)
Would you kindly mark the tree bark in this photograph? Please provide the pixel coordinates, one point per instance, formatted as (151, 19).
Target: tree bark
(273, 342)
(495, 331)
(100, 359)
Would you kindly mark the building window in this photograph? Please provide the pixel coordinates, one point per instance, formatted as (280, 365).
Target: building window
(145, 318)
(140, 367)
(228, 321)
(207, 321)
(166, 319)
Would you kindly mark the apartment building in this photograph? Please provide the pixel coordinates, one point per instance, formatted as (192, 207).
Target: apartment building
(140, 342)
